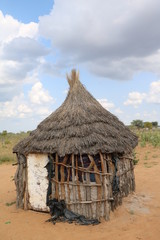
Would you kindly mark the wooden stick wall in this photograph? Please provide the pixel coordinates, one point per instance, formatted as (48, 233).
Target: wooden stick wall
(94, 199)
(86, 190)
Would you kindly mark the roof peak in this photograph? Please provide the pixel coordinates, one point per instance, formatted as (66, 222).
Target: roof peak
(80, 126)
(73, 78)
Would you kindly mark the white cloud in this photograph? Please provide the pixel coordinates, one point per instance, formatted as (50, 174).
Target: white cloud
(43, 111)
(13, 75)
(23, 108)
(152, 115)
(11, 28)
(138, 115)
(135, 99)
(154, 94)
(23, 49)
(11, 109)
(31, 78)
(118, 111)
(28, 107)
(106, 104)
(20, 55)
(113, 38)
(38, 95)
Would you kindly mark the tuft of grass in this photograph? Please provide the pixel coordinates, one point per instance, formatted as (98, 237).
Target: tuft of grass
(10, 204)
(4, 146)
(131, 212)
(8, 222)
(7, 142)
(135, 159)
(155, 163)
(148, 166)
(146, 157)
(5, 159)
(143, 144)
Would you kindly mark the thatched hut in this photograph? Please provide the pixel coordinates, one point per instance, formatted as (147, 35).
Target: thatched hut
(81, 153)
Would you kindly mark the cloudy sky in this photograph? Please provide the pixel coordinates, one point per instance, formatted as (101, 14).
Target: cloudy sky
(114, 44)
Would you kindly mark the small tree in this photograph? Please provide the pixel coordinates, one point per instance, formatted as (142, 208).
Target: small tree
(155, 124)
(3, 136)
(137, 123)
(148, 125)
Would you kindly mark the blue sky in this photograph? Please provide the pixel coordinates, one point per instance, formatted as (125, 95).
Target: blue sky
(115, 45)
(26, 11)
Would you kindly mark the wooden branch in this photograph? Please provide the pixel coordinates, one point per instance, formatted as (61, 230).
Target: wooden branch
(84, 169)
(14, 164)
(26, 200)
(98, 181)
(73, 179)
(126, 158)
(92, 201)
(68, 177)
(77, 178)
(63, 177)
(96, 171)
(56, 176)
(77, 184)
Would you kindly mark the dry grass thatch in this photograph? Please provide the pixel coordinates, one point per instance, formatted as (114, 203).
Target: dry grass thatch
(80, 125)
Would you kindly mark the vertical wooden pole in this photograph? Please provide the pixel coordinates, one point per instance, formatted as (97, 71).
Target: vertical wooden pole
(112, 171)
(88, 195)
(26, 188)
(78, 190)
(133, 176)
(56, 177)
(20, 181)
(83, 190)
(21, 186)
(63, 178)
(53, 194)
(68, 179)
(83, 167)
(99, 190)
(105, 188)
(73, 181)
(17, 184)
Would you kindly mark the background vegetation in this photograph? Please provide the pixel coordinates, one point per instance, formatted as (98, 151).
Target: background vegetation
(147, 125)
(7, 141)
(148, 133)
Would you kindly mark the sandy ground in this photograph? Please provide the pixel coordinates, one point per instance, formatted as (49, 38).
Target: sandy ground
(137, 218)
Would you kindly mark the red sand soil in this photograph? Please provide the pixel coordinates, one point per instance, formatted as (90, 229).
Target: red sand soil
(137, 218)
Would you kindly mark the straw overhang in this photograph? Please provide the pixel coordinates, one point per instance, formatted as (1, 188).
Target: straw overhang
(80, 125)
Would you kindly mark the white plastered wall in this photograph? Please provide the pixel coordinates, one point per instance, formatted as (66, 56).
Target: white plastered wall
(37, 181)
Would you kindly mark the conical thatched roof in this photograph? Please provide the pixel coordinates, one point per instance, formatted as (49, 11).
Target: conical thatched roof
(79, 125)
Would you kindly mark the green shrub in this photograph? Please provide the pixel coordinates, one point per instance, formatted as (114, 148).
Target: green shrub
(135, 159)
(10, 204)
(5, 159)
(7, 142)
(151, 137)
(143, 144)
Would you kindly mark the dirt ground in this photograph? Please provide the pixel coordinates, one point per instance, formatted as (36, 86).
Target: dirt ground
(137, 218)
